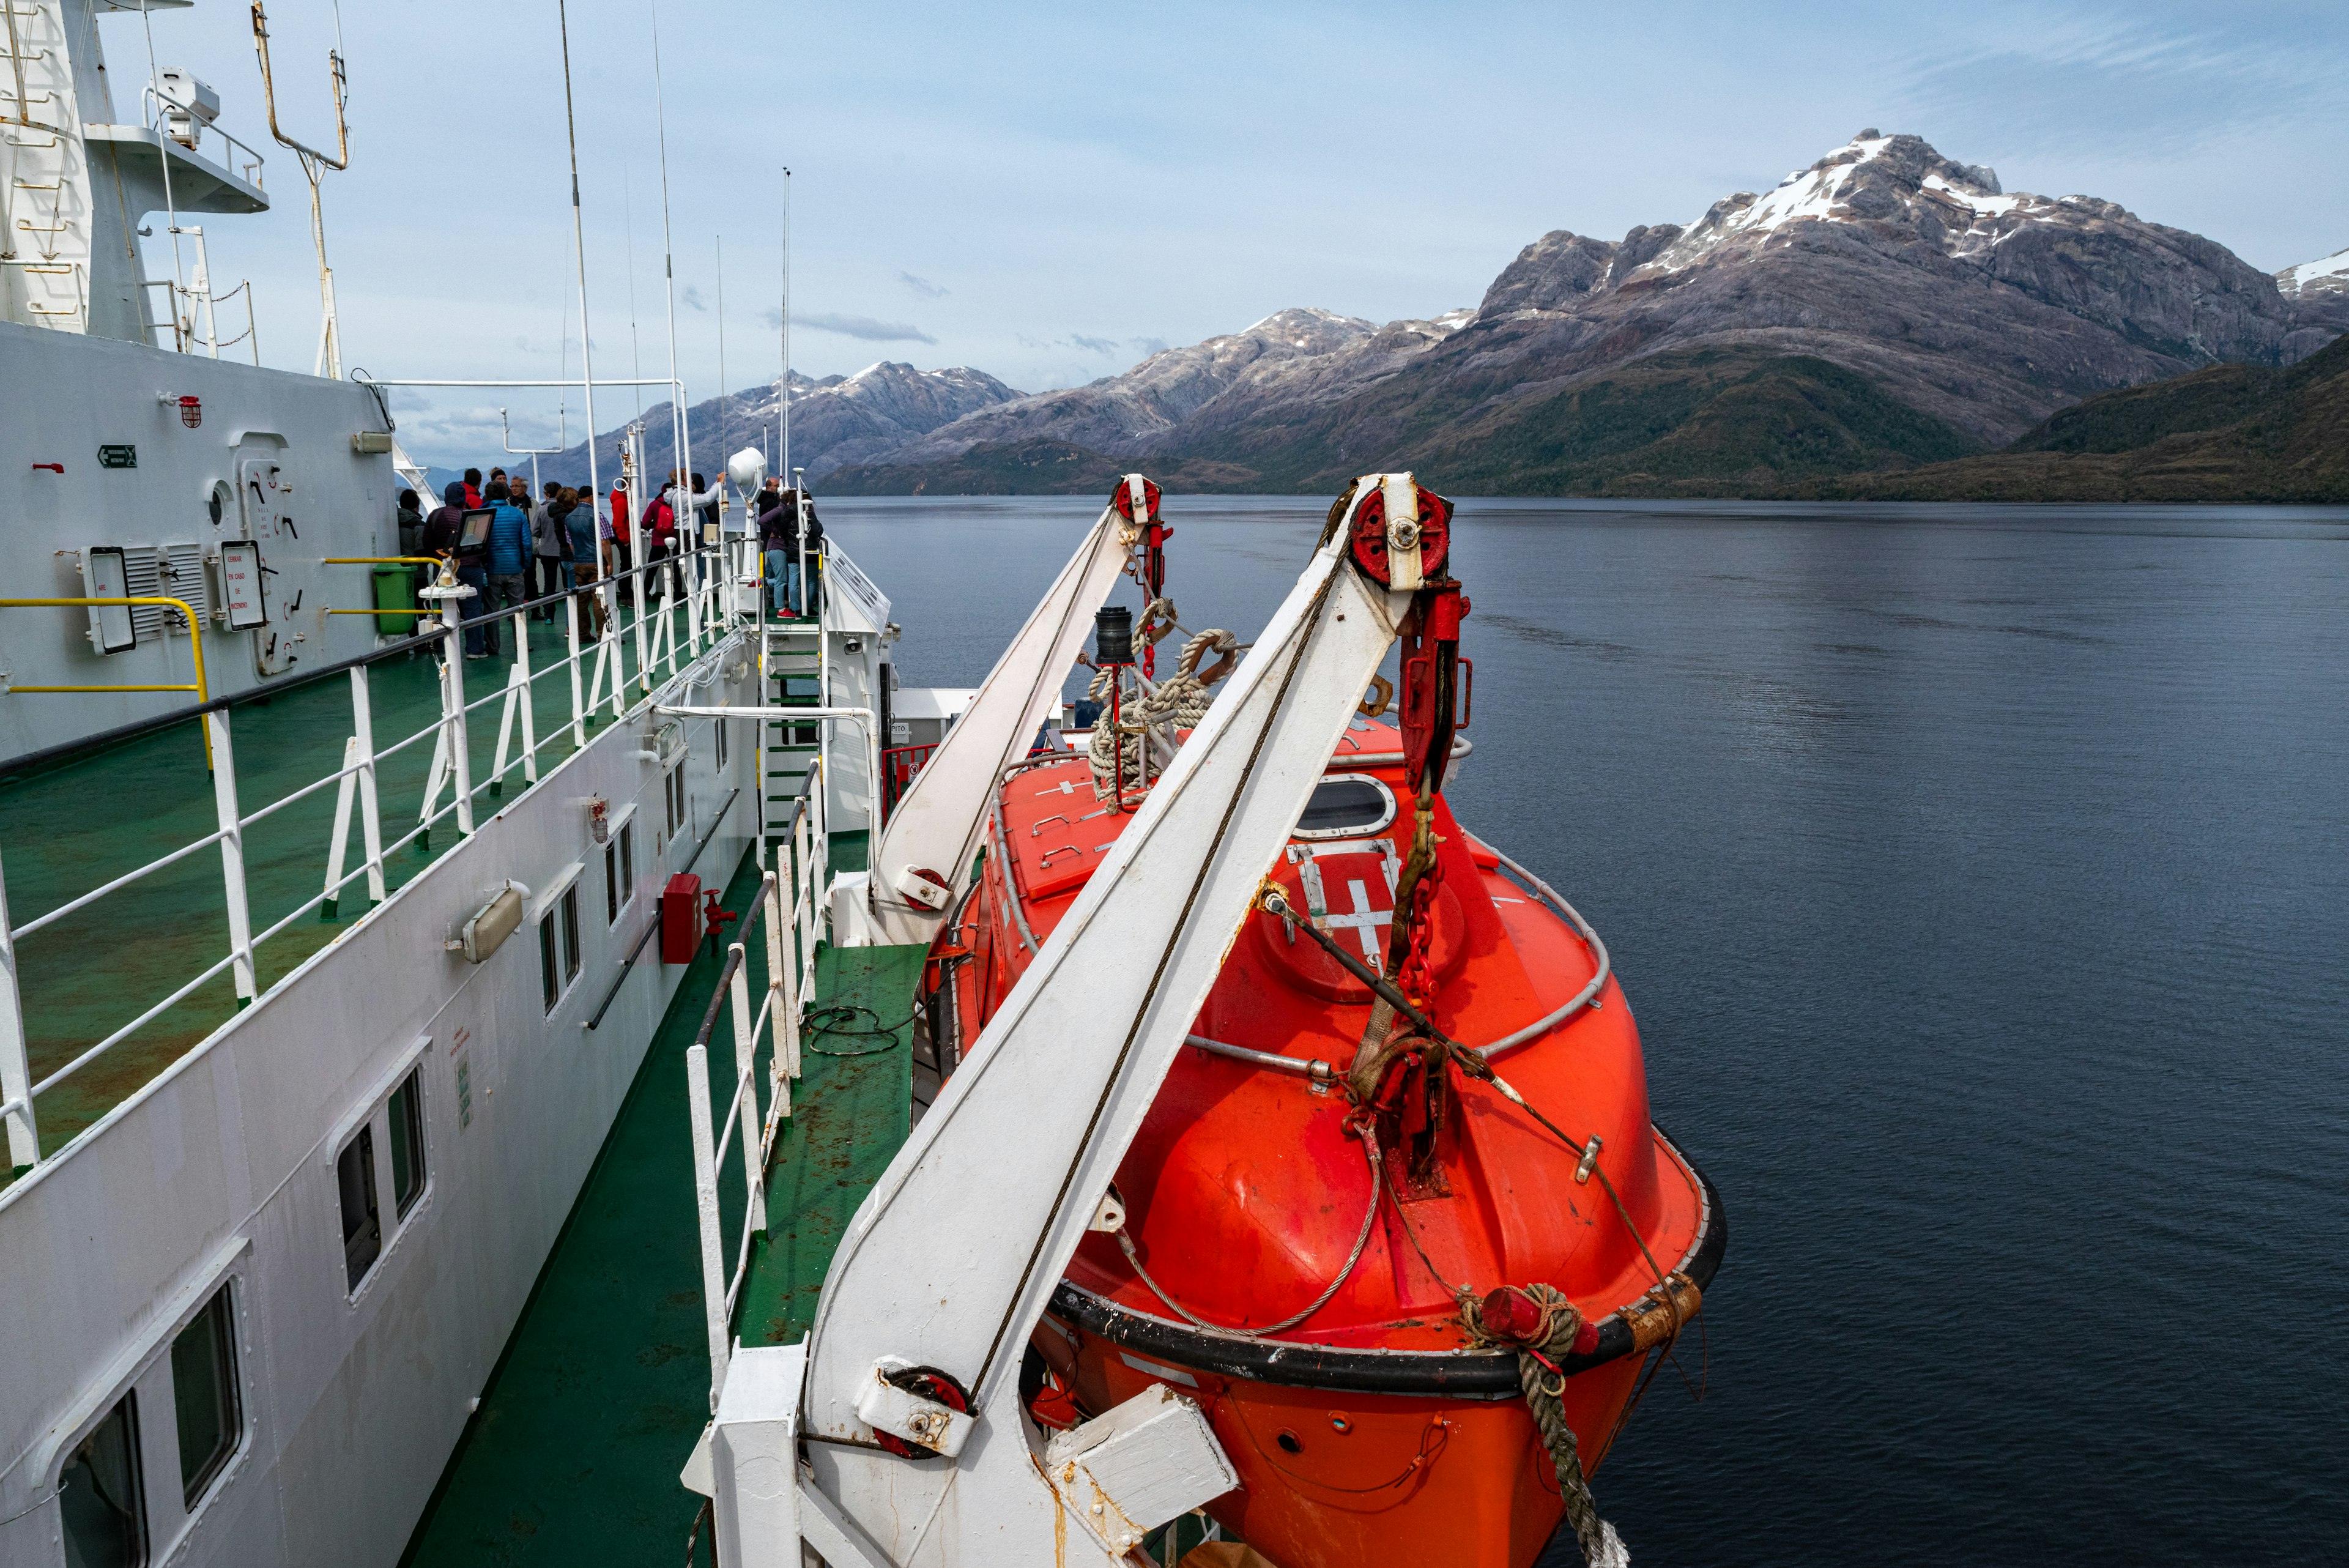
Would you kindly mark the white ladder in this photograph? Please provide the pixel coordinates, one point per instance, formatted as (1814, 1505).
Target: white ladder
(45, 188)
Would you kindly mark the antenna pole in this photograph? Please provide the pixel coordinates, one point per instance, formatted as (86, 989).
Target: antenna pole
(579, 246)
(783, 395)
(677, 438)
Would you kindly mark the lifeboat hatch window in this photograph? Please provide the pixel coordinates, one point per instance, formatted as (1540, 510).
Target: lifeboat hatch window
(1347, 806)
(102, 1498)
(204, 1395)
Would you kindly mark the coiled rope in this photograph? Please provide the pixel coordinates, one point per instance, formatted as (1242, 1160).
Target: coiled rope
(1178, 703)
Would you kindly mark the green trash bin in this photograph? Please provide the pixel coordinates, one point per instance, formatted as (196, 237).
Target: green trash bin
(395, 590)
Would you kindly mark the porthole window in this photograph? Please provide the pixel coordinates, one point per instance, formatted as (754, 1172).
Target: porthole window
(1347, 806)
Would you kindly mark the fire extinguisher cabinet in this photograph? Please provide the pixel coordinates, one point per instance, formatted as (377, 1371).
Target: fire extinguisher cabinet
(682, 919)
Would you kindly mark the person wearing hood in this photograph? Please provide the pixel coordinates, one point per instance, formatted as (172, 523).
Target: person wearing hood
(443, 531)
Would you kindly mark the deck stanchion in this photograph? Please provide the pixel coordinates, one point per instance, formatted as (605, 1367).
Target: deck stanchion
(370, 807)
(746, 1075)
(783, 977)
(642, 575)
(453, 597)
(705, 1203)
(522, 679)
(516, 694)
(231, 832)
(338, 841)
(15, 1074)
(573, 610)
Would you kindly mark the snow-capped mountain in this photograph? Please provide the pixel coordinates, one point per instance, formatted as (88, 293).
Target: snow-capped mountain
(2319, 292)
(1290, 353)
(1886, 304)
(834, 420)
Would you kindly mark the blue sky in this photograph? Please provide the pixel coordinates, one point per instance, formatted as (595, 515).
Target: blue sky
(1048, 191)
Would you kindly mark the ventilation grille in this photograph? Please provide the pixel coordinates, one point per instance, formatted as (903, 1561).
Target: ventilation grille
(166, 571)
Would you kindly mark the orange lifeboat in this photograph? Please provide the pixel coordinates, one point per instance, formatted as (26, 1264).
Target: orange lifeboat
(1302, 1256)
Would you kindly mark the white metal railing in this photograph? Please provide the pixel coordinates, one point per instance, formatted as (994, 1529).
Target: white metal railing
(686, 624)
(789, 906)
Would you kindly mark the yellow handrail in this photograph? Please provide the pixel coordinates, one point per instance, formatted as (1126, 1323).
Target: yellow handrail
(201, 688)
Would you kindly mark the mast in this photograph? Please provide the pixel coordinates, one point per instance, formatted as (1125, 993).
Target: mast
(579, 246)
(677, 434)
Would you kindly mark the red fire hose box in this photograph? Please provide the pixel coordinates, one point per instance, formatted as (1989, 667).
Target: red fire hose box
(682, 919)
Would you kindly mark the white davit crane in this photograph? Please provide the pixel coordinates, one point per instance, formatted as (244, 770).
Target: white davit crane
(949, 1264)
(935, 827)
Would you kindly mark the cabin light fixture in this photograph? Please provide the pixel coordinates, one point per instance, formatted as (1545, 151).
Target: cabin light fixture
(491, 924)
(191, 408)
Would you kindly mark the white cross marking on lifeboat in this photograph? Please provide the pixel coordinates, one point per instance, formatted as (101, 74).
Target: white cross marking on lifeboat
(1362, 920)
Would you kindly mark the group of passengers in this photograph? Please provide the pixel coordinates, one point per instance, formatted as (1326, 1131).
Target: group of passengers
(515, 551)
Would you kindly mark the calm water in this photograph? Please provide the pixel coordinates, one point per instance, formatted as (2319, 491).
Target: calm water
(1981, 878)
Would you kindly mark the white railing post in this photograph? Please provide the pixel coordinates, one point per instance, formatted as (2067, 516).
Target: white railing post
(338, 842)
(783, 972)
(515, 693)
(573, 610)
(746, 1082)
(803, 877)
(705, 1203)
(522, 679)
(370, 808)
(16, 1071)
(643, 573)
(451, 596)
(231, 830)
(669, 606)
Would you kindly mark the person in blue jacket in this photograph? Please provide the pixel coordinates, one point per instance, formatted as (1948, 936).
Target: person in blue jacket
(510, 552)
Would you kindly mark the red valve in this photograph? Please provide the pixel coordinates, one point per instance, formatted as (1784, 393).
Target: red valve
(52, 467)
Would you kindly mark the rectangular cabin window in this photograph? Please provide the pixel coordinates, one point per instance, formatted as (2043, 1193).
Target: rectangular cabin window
(549, 976)
(362, 1226)
(717, 743)
(101, 1499)
(628, 860)
(408, 1143)
(204, 1395)
(570, 933)
(612, 882)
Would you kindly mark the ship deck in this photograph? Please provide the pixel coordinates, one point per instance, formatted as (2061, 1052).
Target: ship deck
(74, 824)
(573, 1455)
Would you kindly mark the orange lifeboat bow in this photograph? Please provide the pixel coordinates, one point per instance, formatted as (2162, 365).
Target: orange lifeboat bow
(1293, 1253)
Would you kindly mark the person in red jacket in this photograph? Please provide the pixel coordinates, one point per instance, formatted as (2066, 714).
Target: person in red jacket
(659, 529)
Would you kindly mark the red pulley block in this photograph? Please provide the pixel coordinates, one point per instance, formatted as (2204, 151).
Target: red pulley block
(1122, 498)
(1369, 537)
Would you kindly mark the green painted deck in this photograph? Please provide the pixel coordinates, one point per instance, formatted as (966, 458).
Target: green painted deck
(73, 827)
(574, 1456)
(849, 1113)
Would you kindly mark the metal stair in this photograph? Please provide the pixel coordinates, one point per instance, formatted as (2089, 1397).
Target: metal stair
(796, 676)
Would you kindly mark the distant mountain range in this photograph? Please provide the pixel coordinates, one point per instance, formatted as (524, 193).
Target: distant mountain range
(1885, 311)
(838, 419)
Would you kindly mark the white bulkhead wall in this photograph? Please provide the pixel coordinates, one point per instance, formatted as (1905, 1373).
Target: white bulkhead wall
(225, 1168)
(56, 500)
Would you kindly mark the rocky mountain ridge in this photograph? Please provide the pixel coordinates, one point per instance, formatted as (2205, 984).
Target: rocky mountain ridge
(1966, 313)
(836, 419)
